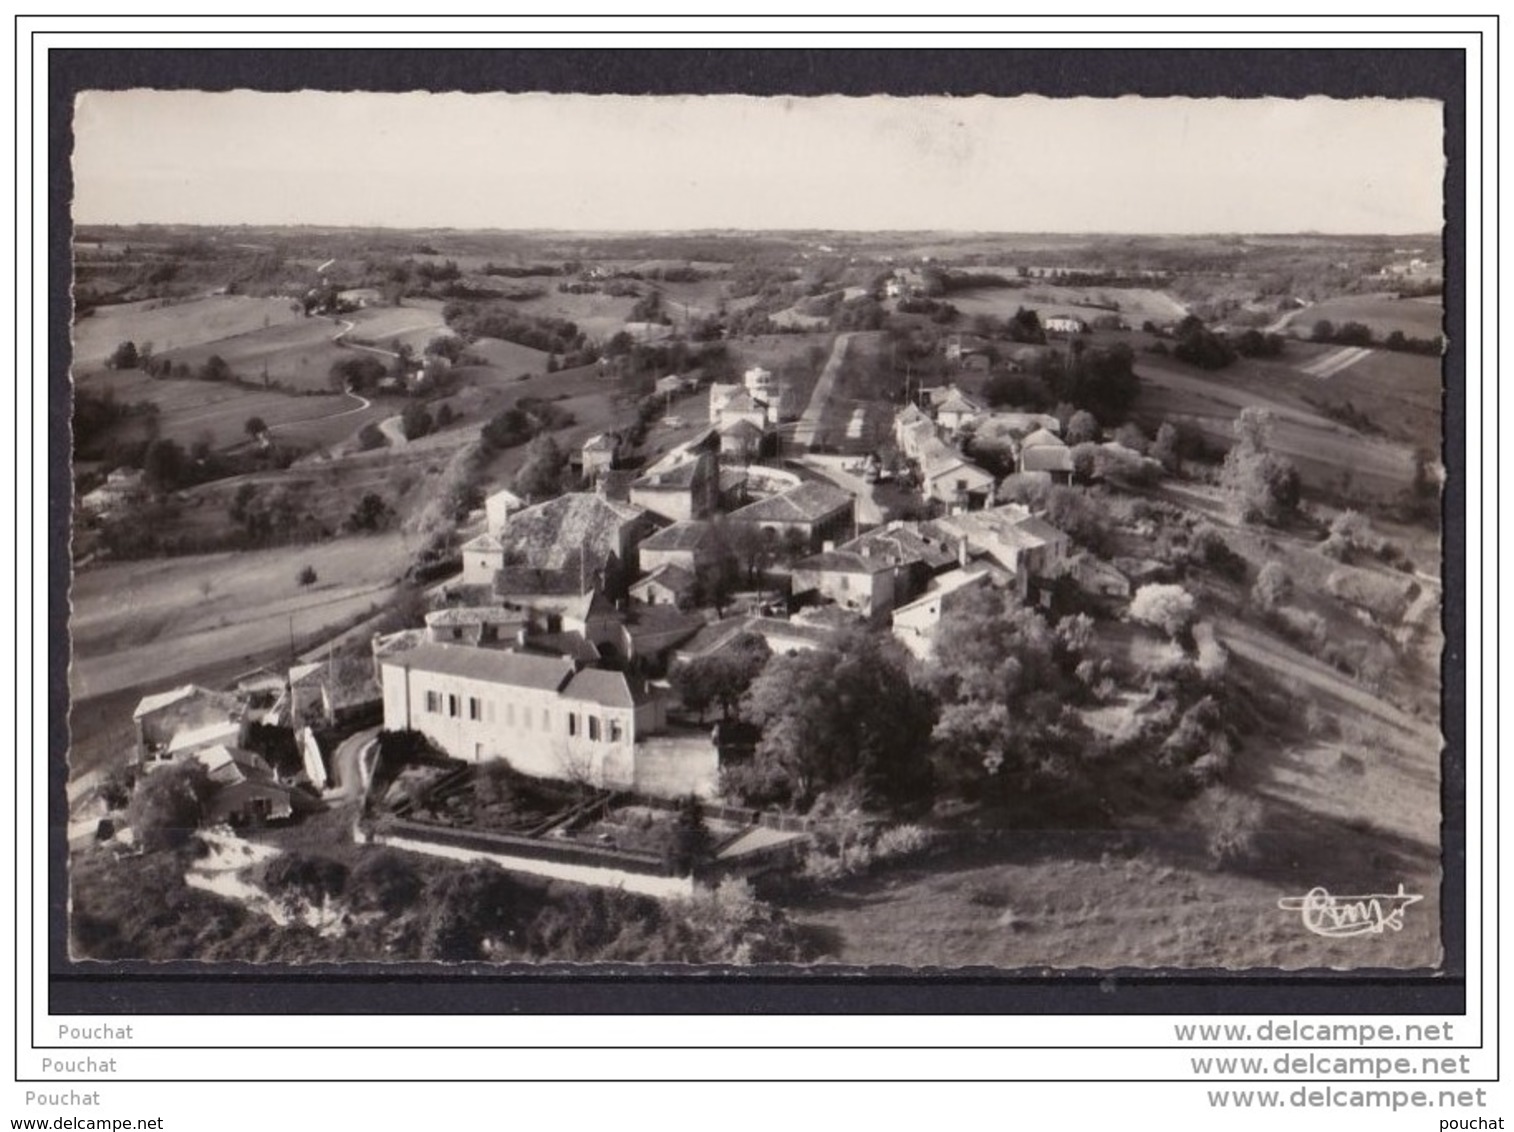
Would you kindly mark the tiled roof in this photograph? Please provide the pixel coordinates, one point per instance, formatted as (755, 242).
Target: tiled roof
(1043, 437)
(678, 476)
(742, 429)
(675, 578)
(492, 666)
(844, 562)
(808, 503)
(161, 700)
(608, 689)
(473, 615)
(903, 545)
(1045, 458)
(686, 534)
(485, 542)
(958, 402)
(548, 535)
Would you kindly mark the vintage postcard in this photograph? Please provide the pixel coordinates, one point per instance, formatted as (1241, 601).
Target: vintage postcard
(939, 533)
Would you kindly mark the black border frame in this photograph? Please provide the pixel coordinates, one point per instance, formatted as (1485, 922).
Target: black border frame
(189, 988)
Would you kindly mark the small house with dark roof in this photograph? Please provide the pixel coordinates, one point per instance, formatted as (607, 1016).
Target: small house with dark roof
(1044, 451)
(688, 545)
(599, 454)
(814, 511)
(546, 716)
(666, 585)
(483, 557)
(956, 410)
(163, 717)
(688, 488)
(741, 440)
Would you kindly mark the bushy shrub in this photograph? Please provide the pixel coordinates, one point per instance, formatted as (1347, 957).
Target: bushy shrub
(1230, 822)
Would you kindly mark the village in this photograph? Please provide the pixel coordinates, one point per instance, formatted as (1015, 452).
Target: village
(783, 621)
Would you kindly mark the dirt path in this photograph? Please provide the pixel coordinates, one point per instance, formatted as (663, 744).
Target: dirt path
(394, 431)
(809, 423)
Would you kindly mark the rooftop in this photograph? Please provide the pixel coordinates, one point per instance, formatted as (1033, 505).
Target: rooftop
(686, 534)
(676, 476)
(742, 429)
(844, 562)
(808, 503)
(157, 702)
(608, 689)
(676, 578)
(520, 670)
(549, 535)
(905, 544)
(1046, 458)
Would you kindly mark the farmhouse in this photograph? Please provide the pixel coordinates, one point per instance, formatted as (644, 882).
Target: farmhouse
(545, 716)
(162, 718)
(915, 624)
(739, 406)
(684, 488)
(570, 544)
(331, 691)
(916, 552)
(914, 437)
(853, 580)
(666, 585)
(956, 410)
(499, 507)
(600, 453)
(121, 487)
(949, 477)
(1025, 546)
(246, 789)
(813, 511)
(741, 441)
(1064, 324)
(1044, 451)
(688, 545)
(483, 558)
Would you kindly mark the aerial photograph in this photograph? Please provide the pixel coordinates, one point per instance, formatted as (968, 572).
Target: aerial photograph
(887, 532)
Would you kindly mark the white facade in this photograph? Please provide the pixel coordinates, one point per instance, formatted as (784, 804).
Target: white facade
(536, 723)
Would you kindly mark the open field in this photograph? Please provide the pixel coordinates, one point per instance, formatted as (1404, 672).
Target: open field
(1382, 314)
(168, 616)
(297, 354)
(1135, 304)
(417, 322)
(598, 316)
(190, 410)
(509, 358)
(172, 326)
(1323, 450)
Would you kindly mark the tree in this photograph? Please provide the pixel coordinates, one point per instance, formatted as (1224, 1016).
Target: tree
(1025, 326)
(415, 421)
(1198, 345)
(839, 716)
(543, 474)
(255, 427)
(300, 881)
(169, 804)
(215, 369)
(691, 842)
(998, 676)
(1165, 448)
(723, 678)
(1131, 436)
(123, 356)
(371, 514)
(1169, 608)
(165, 464)
(384, 880)
(1263, 485)
(306, 576)
(1272, 587)
(370, 437)
(445, 416)
(1324, 331)
(1083, 428)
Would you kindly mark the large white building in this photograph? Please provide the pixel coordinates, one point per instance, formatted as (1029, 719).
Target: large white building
(545, 715)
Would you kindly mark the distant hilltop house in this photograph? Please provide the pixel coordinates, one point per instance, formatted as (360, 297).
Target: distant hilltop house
(358, 297)
(765, 387)
(122, 487)
(546, 716)
(1064, 324)
(732, 403)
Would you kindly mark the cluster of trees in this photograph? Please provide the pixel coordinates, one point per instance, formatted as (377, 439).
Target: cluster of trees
(1264, 486)
(491, 320)
(1359, 334)
(527, 418)
(544, 474)
(268, 516)
(721, 680)
(1199, 346)
(96, 416)
(1099, 379)
(935, 309)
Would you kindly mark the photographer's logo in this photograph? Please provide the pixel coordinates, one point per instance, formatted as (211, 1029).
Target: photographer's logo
(1341, 916)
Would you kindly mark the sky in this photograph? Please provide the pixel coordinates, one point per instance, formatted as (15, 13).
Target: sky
(585, 162)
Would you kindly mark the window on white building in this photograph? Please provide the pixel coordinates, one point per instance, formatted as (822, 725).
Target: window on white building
(475, 709)
(454, 706)
(572, 723)
(594, 729)
(434, 702)
(615, 731)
